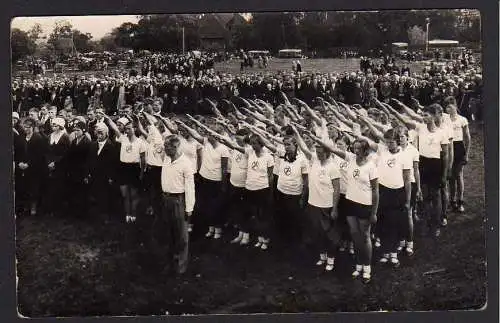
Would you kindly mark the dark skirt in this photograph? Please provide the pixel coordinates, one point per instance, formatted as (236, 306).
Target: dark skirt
(129, 174)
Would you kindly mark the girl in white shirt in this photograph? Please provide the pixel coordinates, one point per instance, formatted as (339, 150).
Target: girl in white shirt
(154, 161)
(322, 210)
(258, 186)
(213, 178)
(433, 146)
(461, 146)
(362, 199)
(132, 166)
(291, 193)
(237, 192)
(394, 168)
(416, 191)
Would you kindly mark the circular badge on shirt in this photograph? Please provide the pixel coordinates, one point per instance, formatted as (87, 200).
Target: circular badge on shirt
(128, 148)
(287, 170)
(391, 162)
(355, 173)
(255, 164)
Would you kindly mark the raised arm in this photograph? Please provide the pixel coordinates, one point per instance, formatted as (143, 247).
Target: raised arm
(112, 125)
(329, 147)
(192, 132)
(301, 143)
(409, 111)
(310, 111)
(411, 124)
(266, 142)
(214, 108)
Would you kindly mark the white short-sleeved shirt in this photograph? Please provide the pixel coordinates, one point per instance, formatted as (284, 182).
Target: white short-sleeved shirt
(211, 160)
(280, 151)
(257, 176)
(239, 166)
(414, 155)
(358, 184)
(155, 151)
(320, 183)
(447, 128)
(458, 124)
(342, 165)
(391, 166)
(429, 143)
(130, 152)
(412, 136)
(290, 175)
(190, 149)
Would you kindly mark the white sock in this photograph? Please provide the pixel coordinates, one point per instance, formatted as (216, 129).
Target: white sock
(394, 255)
(330, 261)
(367, 269)
(322, 256)
(359, 268)
(409, 244)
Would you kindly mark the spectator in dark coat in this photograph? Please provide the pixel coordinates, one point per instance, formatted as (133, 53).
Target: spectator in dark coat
(102, 163)
(35, 168)
(57, 166)
(76, 161)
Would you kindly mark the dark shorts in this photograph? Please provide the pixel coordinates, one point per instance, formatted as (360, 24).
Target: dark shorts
(431, 171)
(129, 174)
(357, 210)
(391, 199)
(458, 154)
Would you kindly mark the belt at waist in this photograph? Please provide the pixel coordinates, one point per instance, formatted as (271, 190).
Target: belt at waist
(173, 194)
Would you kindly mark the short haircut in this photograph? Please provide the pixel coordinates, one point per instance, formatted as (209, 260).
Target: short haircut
(172, 140)
(52, 108)
(392, 134)
(365, 146)
(433, 108)
(450, 101)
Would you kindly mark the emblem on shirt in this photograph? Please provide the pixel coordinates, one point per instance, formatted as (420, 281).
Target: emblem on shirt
(158, 148)
(355, 173)
(431, 141)
(391, 162)
(343, 165)
(287, 170)
(322, 173)
(128, 148)
(255, 165)
(238, 157)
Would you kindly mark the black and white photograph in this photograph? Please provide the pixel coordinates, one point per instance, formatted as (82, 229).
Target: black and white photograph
(249, 163)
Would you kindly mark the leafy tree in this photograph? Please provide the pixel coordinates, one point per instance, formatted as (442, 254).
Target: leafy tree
(21, 44)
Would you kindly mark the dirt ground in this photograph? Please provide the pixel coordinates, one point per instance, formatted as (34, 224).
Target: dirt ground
(69, 267)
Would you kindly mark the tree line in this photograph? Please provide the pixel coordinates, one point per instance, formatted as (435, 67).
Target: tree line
(320, 32)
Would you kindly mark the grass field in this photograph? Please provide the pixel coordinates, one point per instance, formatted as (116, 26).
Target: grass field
(327, 65)
(68, 267)
(275, 64)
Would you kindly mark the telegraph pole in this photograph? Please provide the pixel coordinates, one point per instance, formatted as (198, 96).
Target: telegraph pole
(183, 41)
(427, 20)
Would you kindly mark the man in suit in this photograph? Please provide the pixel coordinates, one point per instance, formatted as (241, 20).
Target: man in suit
(102, 164)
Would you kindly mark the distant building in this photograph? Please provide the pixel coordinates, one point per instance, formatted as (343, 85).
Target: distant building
(216, 30)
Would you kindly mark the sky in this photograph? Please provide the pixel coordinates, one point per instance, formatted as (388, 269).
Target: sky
(98, 26)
